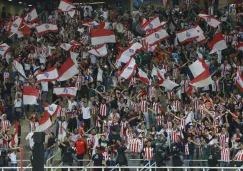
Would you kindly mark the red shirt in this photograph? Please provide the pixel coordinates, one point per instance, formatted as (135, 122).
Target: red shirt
(81, 146)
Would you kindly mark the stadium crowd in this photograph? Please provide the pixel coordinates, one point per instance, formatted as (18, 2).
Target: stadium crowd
(116, 112)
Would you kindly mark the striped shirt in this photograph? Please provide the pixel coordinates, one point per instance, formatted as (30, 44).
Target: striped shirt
(156, 108)
(144, 106)
(5, 125)
(103, 110)
(148, 153)
(135, 145)
(225, 154)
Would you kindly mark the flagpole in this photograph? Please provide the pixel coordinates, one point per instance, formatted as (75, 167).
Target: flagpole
(131, 5)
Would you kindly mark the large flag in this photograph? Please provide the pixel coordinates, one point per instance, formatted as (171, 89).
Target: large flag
(143, 76)
(66, 46)
(211, 21)
(4, 49)
(201, 38)
(157, 36)
(30, 95)
(128, 69)
(48, 75)
(14, 141)
(44, 123)
(67, 70)
(65, 91)
(218, 43)
(15, 26)
(100, 51)
(187, 35)
(52, 109)
(32, 16)
(151, 24)
(199, 74)
(239, 81)
(18, 66)
(100, 36)
(46, 28)
(65, 6)
(129, 52)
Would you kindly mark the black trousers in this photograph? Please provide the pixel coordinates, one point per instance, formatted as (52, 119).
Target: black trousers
(87, 124)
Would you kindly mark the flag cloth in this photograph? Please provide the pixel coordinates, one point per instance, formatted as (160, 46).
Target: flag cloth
(188, 35)
(19, 67)
(48, 75)
(44, 123)
(100, 51)
(32, 16)
(30, 95)
(66, 46)
(65, 6)
(14, 141)
(218, 43)
(154, 23)
(239, 47)
(67, 70)
(75, 43)
(128, 69)
(129, 52)
(199, 74)
(15, 26)
(71, 13)
(143, 76)
(239, 81)
(211, 21)
(201, 38)
(101, 36)
(157, 36)
(46, 28)
(65, 91)
(52, 109)
(26, 30)
(4, 49)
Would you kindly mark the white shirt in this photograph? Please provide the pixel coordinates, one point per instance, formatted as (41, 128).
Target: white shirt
(44, 86)
(18, 103)
(86, 112)
(13, 157)
(31, 141)
(71, 104)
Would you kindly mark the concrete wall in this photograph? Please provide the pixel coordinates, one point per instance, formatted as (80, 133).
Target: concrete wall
(11, 7)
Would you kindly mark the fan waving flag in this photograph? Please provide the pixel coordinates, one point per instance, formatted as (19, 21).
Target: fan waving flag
(18, 66)
(218, 43)
(201, 38)
(199, 74)
(128, 69)
(44, 123)
(15, 26)
(239, 81)
(52, 109)
(100, 51)
(46, 28)
(48, 75)
(211, 21)
(4, 49)
(65, 91)
(129, 52)
(157, 36)
(66, 46)
(143, 76)
(32, 16)
(14, 141)
(65, 6)
(188, 35)
(152, 24)
(30, 95)
(67, 70)
(101, 36)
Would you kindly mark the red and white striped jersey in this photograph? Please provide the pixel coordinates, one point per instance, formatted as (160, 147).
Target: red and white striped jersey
(97, 121)
(186, 149)
(222, 140)
(103, 109)
(5, 125)
(128, 34)
(34, 125)
(133, 82)
(106, 155)
(201, 111)
(156, 107)
(62, 126)
(177, 105)
(144, 106)
(134, 106)
(94, 110)
(165, 67)
(135, 145)
(170, 94)
(148, 153)
(183, 122)
(239, 156)
(62, 112)
(160, 120)
(225, 154)
(78, 82)
(195, 104)
(174, 136)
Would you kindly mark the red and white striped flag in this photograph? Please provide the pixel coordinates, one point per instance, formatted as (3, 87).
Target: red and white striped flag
(211, 21)
(66, 46)
(65, 6)
(46, 28)
(129, 52)
(4, 49)
(65, 91)
(128, 69)
(44, 123)
(15, 26)
(201, 38)
(30, 95)
(187, 35)
(52, 109)
(157, 36)
(100, 51)
(67, 70)
(218, 43)
(154, 23)
(101, 36)
(48, 75)
(239, 81)
(14, 141)
(143, 76)
(32, 16)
